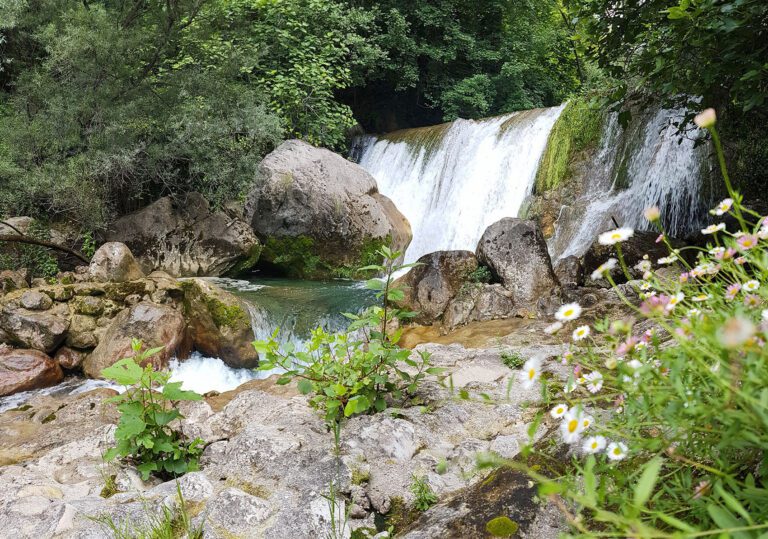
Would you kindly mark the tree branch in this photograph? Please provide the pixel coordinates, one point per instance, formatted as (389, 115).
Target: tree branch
(42, 243)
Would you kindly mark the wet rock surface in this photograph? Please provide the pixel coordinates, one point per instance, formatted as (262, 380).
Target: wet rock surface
(270, 461)
(22, 370)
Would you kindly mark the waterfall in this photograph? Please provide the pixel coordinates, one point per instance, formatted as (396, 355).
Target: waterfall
(454, 180)
(646, 164)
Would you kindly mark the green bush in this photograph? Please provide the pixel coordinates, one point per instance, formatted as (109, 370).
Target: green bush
(425, 496)
(669, 423)
(148, 408)
(358, 371)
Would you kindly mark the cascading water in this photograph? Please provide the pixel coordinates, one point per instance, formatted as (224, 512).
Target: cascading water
(454, 180)
(644, 165)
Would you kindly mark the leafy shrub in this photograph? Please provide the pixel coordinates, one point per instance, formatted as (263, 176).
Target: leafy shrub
(481, 275)
(512, 359)
(147, 409)
(358, 371)
(670, 424)
(36, 258)
(425, 496)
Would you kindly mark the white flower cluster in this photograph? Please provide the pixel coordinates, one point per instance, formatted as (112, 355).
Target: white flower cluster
(575, 422)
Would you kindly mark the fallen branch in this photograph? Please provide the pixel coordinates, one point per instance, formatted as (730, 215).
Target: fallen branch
(42, 243)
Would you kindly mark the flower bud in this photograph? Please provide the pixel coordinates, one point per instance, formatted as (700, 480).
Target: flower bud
(652, 214)
(706, 118)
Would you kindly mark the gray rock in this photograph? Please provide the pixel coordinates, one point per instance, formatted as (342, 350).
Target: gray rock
(39, 330)
(219, 324)
(570, 271)
(12, 280)
(81, 332)
(313, 193)
(516, 253)
(430, 287)
(155, 325)
(36, 301)
(185, 238)
(114, 262)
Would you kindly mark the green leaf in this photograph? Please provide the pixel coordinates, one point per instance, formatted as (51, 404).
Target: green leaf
(172, 391)
(374, 284)
(676, 523)
(305, 386)
(733, 503)
(129, 426)
(125, 372)
(644, 487)
(163, 418)
(356, 405)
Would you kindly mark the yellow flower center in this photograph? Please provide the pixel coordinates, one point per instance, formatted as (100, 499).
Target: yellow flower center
(573, 425)
(594, 445)
(531, 374)
(586, 422)
(617, 451)
(613, 237)
(568, 312)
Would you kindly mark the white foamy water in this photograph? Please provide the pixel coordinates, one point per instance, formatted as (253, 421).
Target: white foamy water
(203, 374)
(454, 180)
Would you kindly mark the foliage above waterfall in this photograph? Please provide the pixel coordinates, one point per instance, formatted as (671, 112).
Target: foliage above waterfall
(715, 49)
(107, 105)
(458, 58)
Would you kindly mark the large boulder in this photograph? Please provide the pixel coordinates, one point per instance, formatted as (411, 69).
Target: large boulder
(40, 330)
(156, 325)
(114, 262)
(431, 286)
(219, 324)
(23, 370)
(185, 238)
(318, 213)
(516, 253)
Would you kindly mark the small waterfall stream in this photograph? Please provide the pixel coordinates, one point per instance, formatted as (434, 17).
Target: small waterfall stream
(454, 180)
(644, 165)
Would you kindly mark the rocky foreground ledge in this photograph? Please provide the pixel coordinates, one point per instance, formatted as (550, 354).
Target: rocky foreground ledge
(86, 320)
(269, 461)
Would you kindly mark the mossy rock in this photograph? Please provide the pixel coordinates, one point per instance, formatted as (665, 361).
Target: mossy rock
(576, 130)
(301, 257)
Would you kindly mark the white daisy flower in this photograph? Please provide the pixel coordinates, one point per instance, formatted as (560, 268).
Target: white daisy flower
(531, 372)
(694, 313)
(723, 207)
(706, 118)
(700, 298)
(559, 411)
(581, 332)
(616, 451)
(571, 428)
(717, 250)
(553, 328)
(643, 265)
(594, 444)
(763, 232)
(645, 286)
(586, 422)
(613, 237)
(751, 286)
(604, 268)
(594, 381)
(675, 300)
(667, 260)
(568, 312)
(711, 229)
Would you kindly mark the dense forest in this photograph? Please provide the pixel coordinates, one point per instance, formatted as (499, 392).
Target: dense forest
(106, 105)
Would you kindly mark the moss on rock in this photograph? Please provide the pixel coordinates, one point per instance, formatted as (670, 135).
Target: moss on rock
(575, 131)
(301, 257)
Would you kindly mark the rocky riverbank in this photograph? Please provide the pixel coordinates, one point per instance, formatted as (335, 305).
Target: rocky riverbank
(85, 321)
